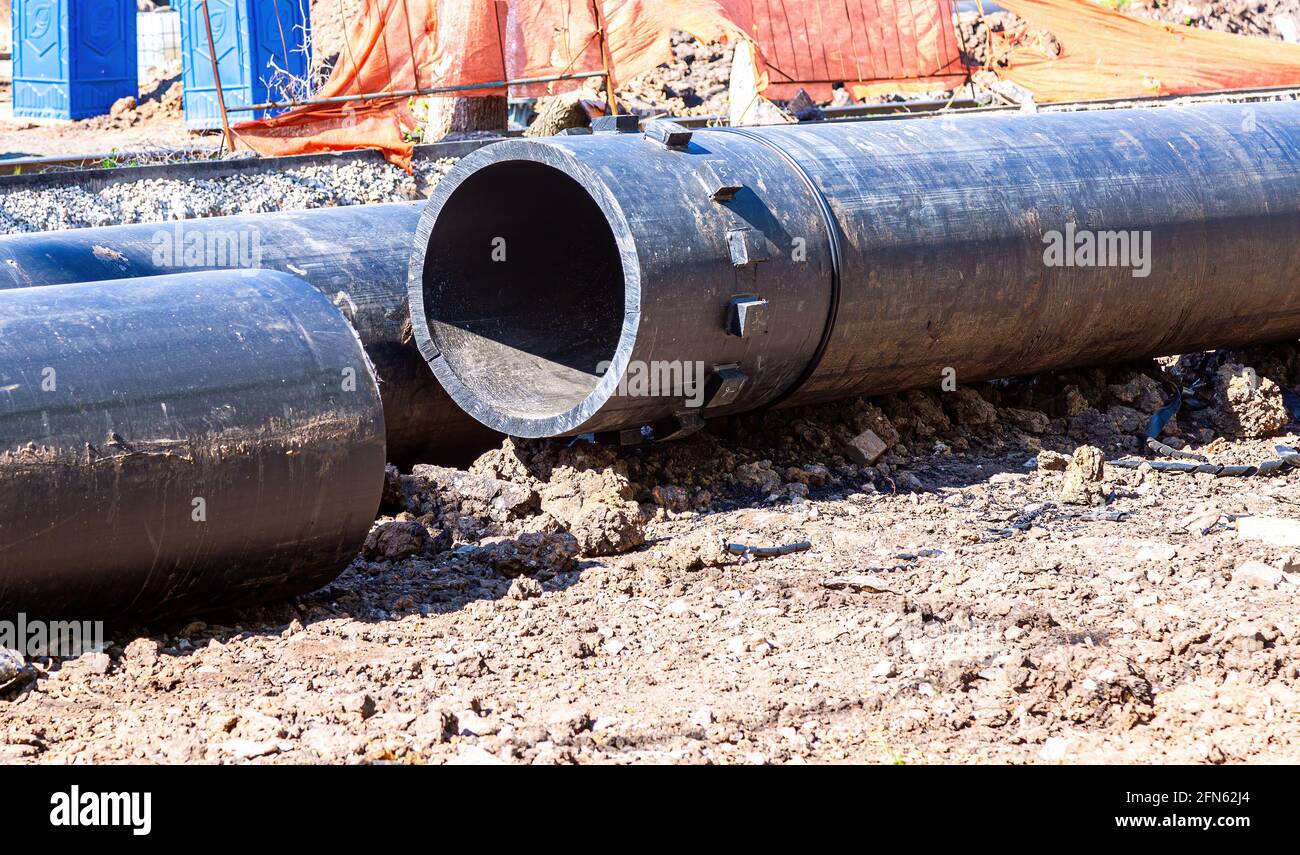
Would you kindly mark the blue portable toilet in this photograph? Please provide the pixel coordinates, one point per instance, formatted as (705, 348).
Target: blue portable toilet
(253, 38)
(72, 58)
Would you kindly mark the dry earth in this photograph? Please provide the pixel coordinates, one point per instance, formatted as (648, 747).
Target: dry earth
(962, 600)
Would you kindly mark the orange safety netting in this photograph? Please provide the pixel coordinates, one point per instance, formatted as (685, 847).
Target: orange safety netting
(869, 46)
(409, 44)
(386, 49)
(1108, 55)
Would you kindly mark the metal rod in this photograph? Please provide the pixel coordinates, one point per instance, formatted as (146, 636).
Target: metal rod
(416, 93)
(605, 59)
(216, 78)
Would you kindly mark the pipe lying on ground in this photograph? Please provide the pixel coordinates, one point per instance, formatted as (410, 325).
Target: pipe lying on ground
(356, 255)
(804, 263)
(180, 442)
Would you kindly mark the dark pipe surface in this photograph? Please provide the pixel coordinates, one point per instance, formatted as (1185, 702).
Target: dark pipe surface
(865, 258)
(180, 443)
(355, 255)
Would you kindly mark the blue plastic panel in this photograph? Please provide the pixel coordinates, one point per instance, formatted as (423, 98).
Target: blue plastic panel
(72, 58)
(253, 38)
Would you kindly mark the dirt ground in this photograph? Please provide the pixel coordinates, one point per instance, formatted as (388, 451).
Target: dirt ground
(1277, 19)
(962, 600)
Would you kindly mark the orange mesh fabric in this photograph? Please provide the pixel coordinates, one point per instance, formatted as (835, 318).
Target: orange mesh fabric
(388, 48)
(814, 43)
(408, 44)
(547, 38)
(808, 44)
(1108, 55)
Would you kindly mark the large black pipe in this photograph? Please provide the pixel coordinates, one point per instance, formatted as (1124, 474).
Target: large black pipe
(180, 442)
(356, 255)
(811, 262)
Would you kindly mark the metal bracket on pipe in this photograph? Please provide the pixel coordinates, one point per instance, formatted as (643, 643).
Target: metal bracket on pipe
(624, 123)
(724, 386)
(746, 316)
(719, 181)
(678, 426)
(747, 246)
(670, 135)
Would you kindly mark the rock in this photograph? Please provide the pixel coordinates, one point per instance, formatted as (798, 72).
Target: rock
(524, 588)
(1083, 477)
(759, 477)
(1140, 392)
(142, 652)
(1257, 574)
(671, 498)
(1274, 530)
(530, 553)
(122, 106)
(1075, 402)
(702, 717)
(360, 704)
(809, 475)
(590, 494)
(697, 550)
(1090, 427)
(602, 528)
(478, 495)
(1029, 421)
(1126, 419)
(866, 448)
(473, 755)
(1161, 552)
(394, 495)
(1053, 461)
(883, 669)
(969, 409)
(396, 540)
(96, 662)
(1245, 404)
(804, 108)
(922, 410)
(564, 721)
(13, 669)
(864, 416)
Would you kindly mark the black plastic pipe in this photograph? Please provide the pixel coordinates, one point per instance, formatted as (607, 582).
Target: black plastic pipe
(180, 443)
(356, 255)
(803, 263)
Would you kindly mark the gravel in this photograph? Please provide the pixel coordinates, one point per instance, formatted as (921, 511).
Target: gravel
(162, 200)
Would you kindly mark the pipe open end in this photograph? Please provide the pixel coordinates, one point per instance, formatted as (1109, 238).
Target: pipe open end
(524, 297)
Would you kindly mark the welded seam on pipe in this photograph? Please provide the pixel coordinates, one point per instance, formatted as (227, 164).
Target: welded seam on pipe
(834, 239)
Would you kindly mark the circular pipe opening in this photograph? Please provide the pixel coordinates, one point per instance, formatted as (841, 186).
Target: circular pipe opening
(524, 297)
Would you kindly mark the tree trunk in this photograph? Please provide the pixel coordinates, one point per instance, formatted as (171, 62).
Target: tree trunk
(463, 115)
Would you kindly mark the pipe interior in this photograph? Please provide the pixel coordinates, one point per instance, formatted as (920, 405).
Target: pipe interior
(523, 287)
